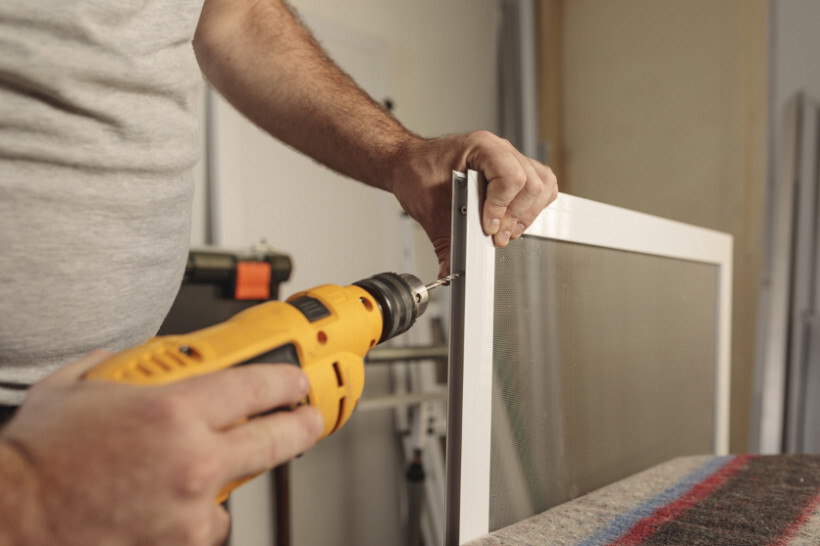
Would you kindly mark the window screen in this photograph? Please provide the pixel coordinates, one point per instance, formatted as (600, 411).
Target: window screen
(603, 365)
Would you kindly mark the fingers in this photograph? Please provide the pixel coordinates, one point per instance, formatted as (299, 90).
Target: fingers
(209, 524)
(506, 176)
(518, 187)
(441, 246)
(265, 442)
(525, 192)
(444, 265)
(537, 193)
(226, 397)
(220, 526)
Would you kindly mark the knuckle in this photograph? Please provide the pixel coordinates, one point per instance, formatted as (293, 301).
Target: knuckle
(266, 439)
(167, 408)
(489, 141)
(198, 476)
(553, 194)
(277, 454)
(257, 390)
(530, 216)
(498, 205)
(544, 188)
(552, 180)
(195, 530)
(518, 179)
(483, 136)
(544, 172)
(534, 188)
(302, 436)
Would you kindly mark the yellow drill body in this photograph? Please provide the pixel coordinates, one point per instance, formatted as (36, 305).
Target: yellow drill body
(330, 350)
(327, 331)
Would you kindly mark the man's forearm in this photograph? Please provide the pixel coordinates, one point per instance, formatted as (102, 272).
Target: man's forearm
(261, 58)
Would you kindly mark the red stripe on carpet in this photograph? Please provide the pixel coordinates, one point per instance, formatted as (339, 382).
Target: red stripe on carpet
(799, 522)
(649, 525)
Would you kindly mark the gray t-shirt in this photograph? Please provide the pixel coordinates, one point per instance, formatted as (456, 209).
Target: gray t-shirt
(98, 135)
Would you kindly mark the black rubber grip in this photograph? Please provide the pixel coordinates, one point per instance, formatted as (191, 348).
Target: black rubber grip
(312, 308)
(286, 354)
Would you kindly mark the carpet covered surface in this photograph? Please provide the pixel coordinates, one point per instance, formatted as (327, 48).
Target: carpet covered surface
(734, 500)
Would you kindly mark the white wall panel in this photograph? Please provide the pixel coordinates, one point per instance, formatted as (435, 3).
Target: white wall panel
(347, 489)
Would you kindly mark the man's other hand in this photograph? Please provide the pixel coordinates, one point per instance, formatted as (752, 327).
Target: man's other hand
(518, 187)
(111, 463)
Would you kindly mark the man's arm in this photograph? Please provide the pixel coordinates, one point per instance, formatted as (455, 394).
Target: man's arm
(263, 60)
(96, 462)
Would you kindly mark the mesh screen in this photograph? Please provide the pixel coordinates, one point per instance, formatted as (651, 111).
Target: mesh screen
(603, 366)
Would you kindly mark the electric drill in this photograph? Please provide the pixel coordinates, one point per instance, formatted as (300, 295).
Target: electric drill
(327, 331)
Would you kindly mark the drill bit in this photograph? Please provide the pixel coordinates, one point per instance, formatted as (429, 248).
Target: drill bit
(444, 281)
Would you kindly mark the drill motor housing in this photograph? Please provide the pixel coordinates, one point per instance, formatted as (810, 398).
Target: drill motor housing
(326, 330)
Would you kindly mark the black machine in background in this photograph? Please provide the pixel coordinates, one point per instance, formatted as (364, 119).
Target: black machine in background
(217, 285)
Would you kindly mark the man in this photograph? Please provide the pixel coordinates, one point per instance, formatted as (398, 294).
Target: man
(98, 114)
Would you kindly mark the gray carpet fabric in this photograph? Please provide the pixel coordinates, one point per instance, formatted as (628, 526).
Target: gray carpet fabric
(703, 500)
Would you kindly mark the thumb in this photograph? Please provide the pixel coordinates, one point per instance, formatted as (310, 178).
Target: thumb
(442, 249)
(444, 266)
(75, 370)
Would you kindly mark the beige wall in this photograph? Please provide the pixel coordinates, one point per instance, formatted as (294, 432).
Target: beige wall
(663, 109)
(442, 56)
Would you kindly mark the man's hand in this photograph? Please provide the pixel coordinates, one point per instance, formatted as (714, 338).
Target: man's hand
(110, 463)
(518, 187)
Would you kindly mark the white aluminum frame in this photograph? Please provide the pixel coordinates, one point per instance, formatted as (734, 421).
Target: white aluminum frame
(570, 219)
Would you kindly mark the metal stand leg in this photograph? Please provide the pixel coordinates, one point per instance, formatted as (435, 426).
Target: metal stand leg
(281, 497)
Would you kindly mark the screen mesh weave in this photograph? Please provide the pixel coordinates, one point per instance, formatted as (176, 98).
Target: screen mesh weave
(603, 365)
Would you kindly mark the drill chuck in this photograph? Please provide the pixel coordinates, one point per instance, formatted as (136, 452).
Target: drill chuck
(402, 298)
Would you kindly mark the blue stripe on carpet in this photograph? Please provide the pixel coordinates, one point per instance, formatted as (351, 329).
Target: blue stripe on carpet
(623, 523)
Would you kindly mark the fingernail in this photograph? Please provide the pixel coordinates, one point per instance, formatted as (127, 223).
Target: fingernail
(519, 229)
(504, 238)
(494, 224)
(304, 383)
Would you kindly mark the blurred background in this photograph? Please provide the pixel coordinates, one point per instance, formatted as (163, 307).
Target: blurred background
(696, 110)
